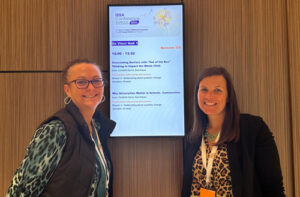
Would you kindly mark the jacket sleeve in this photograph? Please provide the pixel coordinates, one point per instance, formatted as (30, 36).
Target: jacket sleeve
(189, 151)
(185, 185)
(42, 156)
(267, 162)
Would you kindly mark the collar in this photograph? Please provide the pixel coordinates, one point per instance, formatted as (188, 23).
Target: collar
(106, 124)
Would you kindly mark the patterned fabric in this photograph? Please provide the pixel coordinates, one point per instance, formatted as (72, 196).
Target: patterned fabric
(101, 190)
(220, 176)
(95, 181)
(43, 154)
(42, 157)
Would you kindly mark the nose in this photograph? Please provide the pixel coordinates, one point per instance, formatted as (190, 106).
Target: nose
(90, 85)
(210, 95)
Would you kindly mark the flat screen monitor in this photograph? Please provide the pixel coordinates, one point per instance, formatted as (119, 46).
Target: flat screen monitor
(146, 70)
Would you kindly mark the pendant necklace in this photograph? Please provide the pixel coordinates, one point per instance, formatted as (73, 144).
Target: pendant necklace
(210, 137)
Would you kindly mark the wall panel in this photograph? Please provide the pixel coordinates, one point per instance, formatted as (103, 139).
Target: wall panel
(147, 166)
(28, 98)
(293, 14)
(44, 35)
(264, 74)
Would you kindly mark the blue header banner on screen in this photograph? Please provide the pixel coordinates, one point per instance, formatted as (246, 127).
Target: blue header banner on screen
(146, 69)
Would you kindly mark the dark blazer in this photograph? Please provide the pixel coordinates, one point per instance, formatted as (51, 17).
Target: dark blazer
(253, 161)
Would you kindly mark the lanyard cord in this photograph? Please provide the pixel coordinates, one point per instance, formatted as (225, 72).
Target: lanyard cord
(211, 156)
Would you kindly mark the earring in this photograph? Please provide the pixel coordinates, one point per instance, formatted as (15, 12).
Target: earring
(67, 100)
(103, 99)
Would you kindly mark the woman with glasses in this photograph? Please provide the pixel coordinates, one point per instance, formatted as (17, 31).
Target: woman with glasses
(227, 153)
(68, 154)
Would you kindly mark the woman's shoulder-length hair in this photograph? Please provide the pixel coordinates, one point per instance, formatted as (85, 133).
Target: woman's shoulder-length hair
(230, 128)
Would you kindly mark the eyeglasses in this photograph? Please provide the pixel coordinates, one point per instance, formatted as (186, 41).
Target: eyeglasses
(84, 83)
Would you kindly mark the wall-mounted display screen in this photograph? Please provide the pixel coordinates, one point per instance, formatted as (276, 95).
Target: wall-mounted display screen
(146, 69)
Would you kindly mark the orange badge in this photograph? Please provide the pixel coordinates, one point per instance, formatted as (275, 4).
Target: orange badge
(207, 193)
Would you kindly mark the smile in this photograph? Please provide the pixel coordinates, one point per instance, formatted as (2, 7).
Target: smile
(92, 96)
(210, 103)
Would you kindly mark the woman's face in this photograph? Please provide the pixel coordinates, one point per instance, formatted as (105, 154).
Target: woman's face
(90, 97)
(212, 95)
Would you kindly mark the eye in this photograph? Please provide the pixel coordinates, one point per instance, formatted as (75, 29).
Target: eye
(218, 90)
(97, 80)
(81, 81)
(202, 89)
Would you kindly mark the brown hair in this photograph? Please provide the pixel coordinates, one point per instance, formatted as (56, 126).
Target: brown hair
(73, 63)
(230, 128)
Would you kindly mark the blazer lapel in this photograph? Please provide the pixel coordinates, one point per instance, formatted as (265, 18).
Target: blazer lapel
(234, 157)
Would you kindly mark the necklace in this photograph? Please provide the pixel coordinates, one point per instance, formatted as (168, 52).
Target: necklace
(210, 137)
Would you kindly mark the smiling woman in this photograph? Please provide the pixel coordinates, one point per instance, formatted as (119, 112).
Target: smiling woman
(71, 146)
(227, 153)
(212, 96)
(84, 85)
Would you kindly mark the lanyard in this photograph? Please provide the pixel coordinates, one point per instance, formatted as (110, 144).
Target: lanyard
(101, 156)
(209, 164)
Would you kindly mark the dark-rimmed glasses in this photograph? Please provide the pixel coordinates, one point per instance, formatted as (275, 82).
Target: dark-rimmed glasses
(84, 83)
